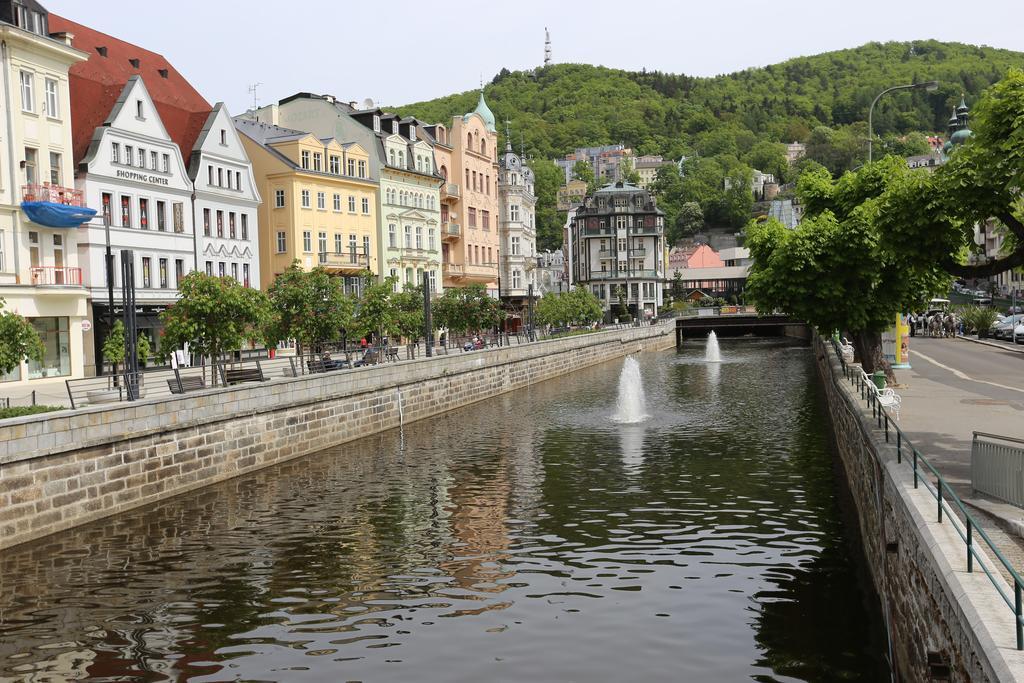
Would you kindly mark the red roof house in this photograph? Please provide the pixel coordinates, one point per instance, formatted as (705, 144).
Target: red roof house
(697, 256)
(96, 84)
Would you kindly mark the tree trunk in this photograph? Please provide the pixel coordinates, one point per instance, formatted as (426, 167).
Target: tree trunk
(868, 346)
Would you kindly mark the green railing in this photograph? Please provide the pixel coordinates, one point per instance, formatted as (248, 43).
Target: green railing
(946, 499)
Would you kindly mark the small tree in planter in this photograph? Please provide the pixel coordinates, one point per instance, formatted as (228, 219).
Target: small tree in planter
(113, 346)
(143, 348)
(18, 341)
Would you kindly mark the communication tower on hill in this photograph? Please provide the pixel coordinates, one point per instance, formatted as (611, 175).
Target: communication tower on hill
(547, 46)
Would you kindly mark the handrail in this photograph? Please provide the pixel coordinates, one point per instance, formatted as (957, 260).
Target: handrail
(996, 436)
(945, 497)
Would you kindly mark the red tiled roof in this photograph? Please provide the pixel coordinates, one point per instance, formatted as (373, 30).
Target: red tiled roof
(97, 83)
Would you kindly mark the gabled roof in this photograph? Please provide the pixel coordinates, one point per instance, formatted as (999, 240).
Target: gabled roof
(97, 83)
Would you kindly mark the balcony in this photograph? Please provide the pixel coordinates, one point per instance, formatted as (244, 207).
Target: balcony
(55, 276)
(52, 193)
(346, 261)
(450, 190)
(606, 253)
(453, 269)
(634, 275)
(413, 254)
(450, 231)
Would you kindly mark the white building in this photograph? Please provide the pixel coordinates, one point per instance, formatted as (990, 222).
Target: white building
(550, 274)
(134, 172)
(226, 201)
(617, 245)
(517, 234)
(40, 277)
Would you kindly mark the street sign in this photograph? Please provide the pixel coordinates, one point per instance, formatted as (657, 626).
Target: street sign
(86, 326)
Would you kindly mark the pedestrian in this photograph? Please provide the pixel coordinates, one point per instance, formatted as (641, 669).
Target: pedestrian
(362, 343)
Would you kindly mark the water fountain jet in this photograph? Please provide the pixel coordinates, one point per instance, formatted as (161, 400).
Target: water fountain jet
(631, 406)
(711, 352)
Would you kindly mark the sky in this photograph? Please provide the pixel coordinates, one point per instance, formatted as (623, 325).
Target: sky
(398, 52)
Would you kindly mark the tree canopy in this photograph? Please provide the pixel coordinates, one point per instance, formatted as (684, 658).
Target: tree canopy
(308, 306)
(19, 341)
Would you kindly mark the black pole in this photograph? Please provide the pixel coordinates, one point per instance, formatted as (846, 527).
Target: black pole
(529, 314)
(428, 326)
(131, 359)
(109, 260)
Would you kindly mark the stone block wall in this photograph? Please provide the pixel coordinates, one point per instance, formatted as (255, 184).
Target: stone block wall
(63, 469)
(944, 623)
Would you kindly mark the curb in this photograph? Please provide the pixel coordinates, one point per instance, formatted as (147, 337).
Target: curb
(992, 344)
(996, 510)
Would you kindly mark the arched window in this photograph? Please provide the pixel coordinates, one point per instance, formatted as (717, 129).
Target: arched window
(391, 155)
(469, 140)
(444, 172)
(483, 147)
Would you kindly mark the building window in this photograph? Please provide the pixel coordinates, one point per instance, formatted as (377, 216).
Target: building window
(142, 158)
(362, 168)
(318, 161)
(321, 243)
(433, 280)
(209, 175)
(305, 199)
(56, 360)
(245, 275)
(472, 217)
(52, 100)
(55, 173)
(144, 213)
(178, 213)
(126, 211)
(278, 199)
(351, 167)
(431, 243)
(408, 237)
(106, 200)
(234, 272)
(305, 159)
(245, 226)
(161, 219)
(165, 165)
(147, 272)
(335, 165)
(307, 241)
(138, 108)
(486, 216)
(129, 155)
(392, 236)
(281, 242)
(366, 205)
(231, 225)
(115, 153)
(337, 243)
(513, 212)
(516, 279)
(321, 200)
(220, 177)
(419, 236)
(221, 269)
(27, 96)
(351, 203)
(163, 273)
(220, 223)
(179, 271)
(515, 246)
(366, 249)
(238, 180)
(209, 268)
(391, 157)
(152, 160)
(376, 123)
(337, 202)
(31, 160)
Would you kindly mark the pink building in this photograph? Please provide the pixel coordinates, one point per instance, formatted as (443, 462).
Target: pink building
(697, 256)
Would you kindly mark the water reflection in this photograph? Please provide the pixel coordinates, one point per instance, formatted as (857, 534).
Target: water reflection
(524, 538)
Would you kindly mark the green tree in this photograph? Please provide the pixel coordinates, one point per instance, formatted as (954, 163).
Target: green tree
(627, 173)
(621, 311)
(691, 219)
(19, 341)
(376, 314)
(309, 307)
(551, 310)
(584, 307)
(769, 157)
(467, 309)
(114, 347)
(549, 221)
(214, 315)
(667, 188)
(407, 306)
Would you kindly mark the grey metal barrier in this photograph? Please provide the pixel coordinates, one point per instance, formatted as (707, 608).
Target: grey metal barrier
(997, 467)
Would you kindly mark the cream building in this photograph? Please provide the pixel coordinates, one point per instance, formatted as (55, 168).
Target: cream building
(40, 276)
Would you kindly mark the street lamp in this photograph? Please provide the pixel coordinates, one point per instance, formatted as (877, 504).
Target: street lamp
(930, 86)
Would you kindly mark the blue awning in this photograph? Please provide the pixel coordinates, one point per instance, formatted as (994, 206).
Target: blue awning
(54, 215)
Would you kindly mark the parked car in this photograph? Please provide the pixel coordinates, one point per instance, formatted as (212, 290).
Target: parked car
(1004, 328)
(1014, 309)
(1019, 331)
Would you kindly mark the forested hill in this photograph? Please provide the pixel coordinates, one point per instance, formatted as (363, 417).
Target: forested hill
(563, 106)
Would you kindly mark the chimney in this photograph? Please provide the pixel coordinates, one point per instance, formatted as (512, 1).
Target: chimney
(64, 37)
(352, 104)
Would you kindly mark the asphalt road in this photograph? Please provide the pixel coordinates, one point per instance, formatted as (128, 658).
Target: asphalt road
(979, 369)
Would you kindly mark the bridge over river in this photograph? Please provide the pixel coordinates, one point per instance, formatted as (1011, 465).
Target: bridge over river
(738, 325)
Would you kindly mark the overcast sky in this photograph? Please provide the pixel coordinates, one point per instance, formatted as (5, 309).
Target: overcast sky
(398, 52)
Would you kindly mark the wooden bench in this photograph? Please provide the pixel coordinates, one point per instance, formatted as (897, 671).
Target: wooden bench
(371, 357)
(187, 384)
(237, 375)
(392, 353)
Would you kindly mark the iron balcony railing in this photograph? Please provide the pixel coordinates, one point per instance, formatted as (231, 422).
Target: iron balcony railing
(625, 275)
(343, 259)
(947, 503)
(56, 276)
(48, 192)
(452, 228)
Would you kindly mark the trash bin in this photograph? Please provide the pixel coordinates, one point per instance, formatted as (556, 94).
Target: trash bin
(878, 377)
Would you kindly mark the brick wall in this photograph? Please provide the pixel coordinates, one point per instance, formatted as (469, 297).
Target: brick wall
(60, 470)
(937, 611)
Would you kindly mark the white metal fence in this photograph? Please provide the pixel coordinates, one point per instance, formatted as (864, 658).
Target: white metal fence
(997, 467)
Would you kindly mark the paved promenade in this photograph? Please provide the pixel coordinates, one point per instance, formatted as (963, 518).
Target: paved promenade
(957, 387)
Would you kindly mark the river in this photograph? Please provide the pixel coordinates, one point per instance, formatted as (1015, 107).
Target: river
(525, 538)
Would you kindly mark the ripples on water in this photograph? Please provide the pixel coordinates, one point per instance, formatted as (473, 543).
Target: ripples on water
(524, 538)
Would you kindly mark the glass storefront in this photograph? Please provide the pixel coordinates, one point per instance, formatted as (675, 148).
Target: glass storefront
(12, 376)
(56, 342)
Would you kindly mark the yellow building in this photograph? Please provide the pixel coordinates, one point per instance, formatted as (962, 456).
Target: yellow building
(319, 202)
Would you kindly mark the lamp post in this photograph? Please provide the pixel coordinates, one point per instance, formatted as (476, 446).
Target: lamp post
(930, 86)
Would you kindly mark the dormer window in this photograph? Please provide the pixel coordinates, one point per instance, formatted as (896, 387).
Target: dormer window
(376, 123)
(412, 131)
(134, 62)
(102, 51)
(394, 126)
(163, 72)
(139, 110)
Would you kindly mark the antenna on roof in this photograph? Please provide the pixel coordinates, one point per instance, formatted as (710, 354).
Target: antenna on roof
(255, 100)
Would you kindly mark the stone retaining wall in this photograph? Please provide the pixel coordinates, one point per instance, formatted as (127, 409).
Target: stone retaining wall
(945, 624)
(60, 470)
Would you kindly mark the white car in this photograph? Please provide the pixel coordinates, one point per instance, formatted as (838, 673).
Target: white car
(1019, 332)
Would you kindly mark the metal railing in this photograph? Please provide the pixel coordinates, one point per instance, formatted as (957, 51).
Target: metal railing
(343, 259)
(56, 275)
(947, 503)
(48, 192)
(997, 467)
(451, 228)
